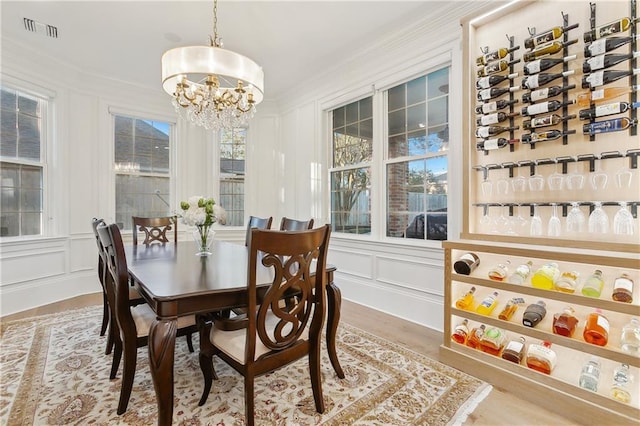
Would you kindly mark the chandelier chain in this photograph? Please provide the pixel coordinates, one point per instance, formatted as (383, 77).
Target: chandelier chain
(215, 41)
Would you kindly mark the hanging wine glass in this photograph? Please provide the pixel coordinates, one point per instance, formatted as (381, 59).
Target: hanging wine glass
(536, 183)
(519, 222)
(554, 227)
(624, 177)
(486, 186)
(598, 180)
(555, 179)
(485, 220)
(502, 186)
(575, 219)
(575, 179)
(535, 228)
(623, 221)
(598, 220)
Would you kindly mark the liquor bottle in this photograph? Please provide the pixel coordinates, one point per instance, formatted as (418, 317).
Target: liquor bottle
(534, 313)
(510, 308)
(608, 126)
(461, 331)
(605, 45)
(545, 121)
(590, 375)
(489, 107)
(500, 271)
(546, 49)
(596, 329)
(466, 264)
(491, 144)
(495, 55)
(548, 135)
(495, 118)
(492, 341)
(567, 282)
(623, 289)
(488, 304)
(608, 109)
(534, 81)
(494, 92)
(539, 65)
(617, 26)
(593, 285)
(603, 95)
(547, 92)
(547, 36)
(599, 78)
(466, 301)
(565, 322)
(514, 350)
(600, 62)
(492, 80)
(521, 273)
(487, 131)
(622, 379)
(543, 107)
(541, 357)
(474, 337)
(546, 276)
(630, 338)
(495, 67)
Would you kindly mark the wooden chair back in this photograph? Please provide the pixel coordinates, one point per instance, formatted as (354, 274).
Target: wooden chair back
(95, 222)
(156, 229)
(287, 224)
(258, 223)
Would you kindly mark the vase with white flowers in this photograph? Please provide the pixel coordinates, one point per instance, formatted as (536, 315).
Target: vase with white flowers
(198, 211)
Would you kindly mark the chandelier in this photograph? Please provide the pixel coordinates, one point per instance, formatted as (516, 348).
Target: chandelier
(210, 86)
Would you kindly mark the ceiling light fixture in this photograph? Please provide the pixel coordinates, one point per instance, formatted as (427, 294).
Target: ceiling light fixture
(212, 87)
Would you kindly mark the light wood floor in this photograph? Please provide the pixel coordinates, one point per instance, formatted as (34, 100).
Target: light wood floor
(498, 409)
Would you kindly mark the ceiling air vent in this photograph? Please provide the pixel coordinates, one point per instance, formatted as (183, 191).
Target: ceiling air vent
(40, 28)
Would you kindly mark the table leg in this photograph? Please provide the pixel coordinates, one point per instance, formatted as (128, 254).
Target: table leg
(162, 341)
(334, 300)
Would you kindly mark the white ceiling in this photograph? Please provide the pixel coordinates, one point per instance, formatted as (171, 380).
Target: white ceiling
(291, 40)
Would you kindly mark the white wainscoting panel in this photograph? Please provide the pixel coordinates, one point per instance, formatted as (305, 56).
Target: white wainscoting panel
(352, 263)
(83, 253)
(423, 276)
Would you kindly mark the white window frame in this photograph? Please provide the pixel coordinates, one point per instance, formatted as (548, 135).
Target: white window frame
(217, 171)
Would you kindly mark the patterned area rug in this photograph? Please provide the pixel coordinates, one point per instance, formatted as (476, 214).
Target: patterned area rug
(54, 372)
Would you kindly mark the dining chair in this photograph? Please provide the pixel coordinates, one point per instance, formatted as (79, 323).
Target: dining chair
(156, 229)
(274, 337)
(108, 316)
(259, 223)
(133, 321)
(287, 224)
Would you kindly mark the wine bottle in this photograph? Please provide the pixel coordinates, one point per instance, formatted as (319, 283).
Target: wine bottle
(618, 26)
(602, 77)
(487, 131)
(547, 36)
(489, 107)
(605, 45)
(542, 107)
(609, 109)
(494, 92)
(495, 55)
(547, 49)
(496, 67)
(603, 95)
(606, 61)
(534, 81)
(492, 80)
(548, 92)
(538, 65)
(607, 126)
(548, 135)
(545, 121)
(495, 118)
(491, 144)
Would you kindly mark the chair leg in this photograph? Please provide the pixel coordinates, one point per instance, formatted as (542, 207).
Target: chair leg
(128, 374)
(190, 343)
(110, 339)
(206, 360)
(316, 377)
(117, 355)
(249, 400)
(105, 314)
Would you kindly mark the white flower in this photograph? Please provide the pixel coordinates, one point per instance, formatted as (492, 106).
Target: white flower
(198, 211)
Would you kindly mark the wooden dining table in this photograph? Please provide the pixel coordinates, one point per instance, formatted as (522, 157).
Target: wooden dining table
(175, 282)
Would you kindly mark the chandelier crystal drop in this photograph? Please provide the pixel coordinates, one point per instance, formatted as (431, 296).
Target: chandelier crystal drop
(210, 86)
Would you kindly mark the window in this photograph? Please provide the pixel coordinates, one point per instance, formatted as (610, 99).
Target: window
(416, 164)
(352, 136)
(142, 164)
(232, 161)
(22, 145)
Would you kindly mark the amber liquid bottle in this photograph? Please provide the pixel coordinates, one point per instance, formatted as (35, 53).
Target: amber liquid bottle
(492, 341)
(461, 332)
(596, 330)
(541, 358)
(565, 323)
(466, 301)
(623, 289)
(514, 351)
(474, 337)
(509, 309)
(488, 304)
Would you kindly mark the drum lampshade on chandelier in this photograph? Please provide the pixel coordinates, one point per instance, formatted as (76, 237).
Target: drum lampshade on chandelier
(212, 87)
